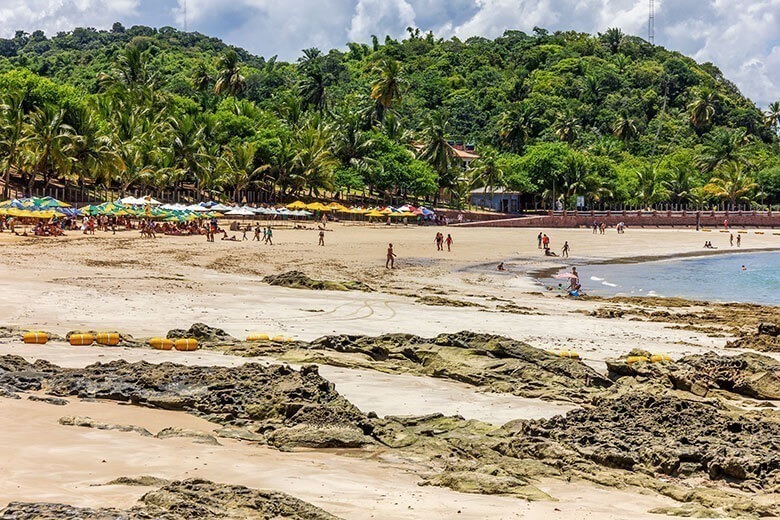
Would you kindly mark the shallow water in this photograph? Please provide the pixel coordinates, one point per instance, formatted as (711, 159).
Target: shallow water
(713, 278)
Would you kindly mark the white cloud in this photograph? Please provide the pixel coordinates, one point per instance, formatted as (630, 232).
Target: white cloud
(741, 38)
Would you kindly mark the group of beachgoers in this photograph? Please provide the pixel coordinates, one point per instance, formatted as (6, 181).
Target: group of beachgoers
(441, 241)
(601, 228)
(543, 242)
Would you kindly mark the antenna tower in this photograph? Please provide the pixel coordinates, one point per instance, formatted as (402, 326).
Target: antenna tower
(185, 15)
(651, 23)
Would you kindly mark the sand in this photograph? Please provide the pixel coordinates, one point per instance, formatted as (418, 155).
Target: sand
(146, 287)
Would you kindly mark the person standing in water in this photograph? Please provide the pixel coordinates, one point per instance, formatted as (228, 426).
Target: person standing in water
(565, 250)
(449, 242)
(390, 262)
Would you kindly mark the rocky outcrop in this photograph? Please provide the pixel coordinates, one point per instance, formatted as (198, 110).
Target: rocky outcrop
(765, 339)
(184, 500)
(751, 375)
(299, 280)
(668, 435)
(491, 362)
(206, 336)
(257, 398)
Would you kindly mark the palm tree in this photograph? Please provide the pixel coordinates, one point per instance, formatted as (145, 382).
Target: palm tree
(722, 145)
(650, 186)
(514, 128)
(612, 38)
(488, 172)
(680, 185)
(313, 87)
(388, 88)
(94, 157)
(11, 135)
(732, 183)
(48, 144)
(313, 163)
(702, 109)
(229, 79)
(772, 115)
(237, 167)
(437, 151)
(201, 79)
(188, 137)
(625, 128)
(567, 129)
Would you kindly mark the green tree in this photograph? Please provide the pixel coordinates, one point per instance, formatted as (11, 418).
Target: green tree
(702, 109)
(237, 168)
(723, 145)
(11, 135)
(48, 144)
(436, 149)
(732, 183)
(388, 87)
(229, 79)
(625, 128)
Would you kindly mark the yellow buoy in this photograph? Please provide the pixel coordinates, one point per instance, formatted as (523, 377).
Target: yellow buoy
(568, 354)
(186, 344)
(278, 338)
(759, 232)
(660, 358)
(636, 359)
(107, 338)
(81, 339)
(257, 337)
(161, 343)
(289, 340)
(35, 338)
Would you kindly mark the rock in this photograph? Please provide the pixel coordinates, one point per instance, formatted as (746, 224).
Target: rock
(88, 422)
(206, 336)
(770, 329)
(200, 437)
(666, 435)
(299, 280)
(312, 436)
(51, 400)
(445, 302)
(185, 500)
(142, 481)
(487, 484)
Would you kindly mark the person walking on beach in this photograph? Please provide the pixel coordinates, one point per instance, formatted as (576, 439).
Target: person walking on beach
(449, 242)
(390, 262)
(739, 240)
(439, 242)
(731, 239)
(322, 238)
(257, 233)
(269, 236)
(545, 241)
(565, 250)
(539, 241)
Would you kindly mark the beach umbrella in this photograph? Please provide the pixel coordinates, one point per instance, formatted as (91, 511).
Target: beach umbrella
(317, 206)
(375, 213)
(297, 205)
(221, 207)
(197, 208)
(335, 206)
(49, 202)
(241, 212)
(565, 276)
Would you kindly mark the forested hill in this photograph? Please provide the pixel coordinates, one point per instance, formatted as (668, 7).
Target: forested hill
(598, 113)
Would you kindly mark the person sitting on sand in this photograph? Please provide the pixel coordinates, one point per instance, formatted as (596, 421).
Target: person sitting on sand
(501, 266)
(548, 252)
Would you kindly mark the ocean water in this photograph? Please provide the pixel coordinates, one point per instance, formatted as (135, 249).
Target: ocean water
(713, 278)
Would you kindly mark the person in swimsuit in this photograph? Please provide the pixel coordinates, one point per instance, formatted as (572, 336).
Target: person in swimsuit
(390, 262)
(449, 242)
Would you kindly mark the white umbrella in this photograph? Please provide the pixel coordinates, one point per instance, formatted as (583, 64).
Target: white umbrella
(131, 201)
(197, 208)
(221, 207)
(241, 212)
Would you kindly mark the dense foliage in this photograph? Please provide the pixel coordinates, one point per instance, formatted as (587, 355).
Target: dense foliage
(607, 117)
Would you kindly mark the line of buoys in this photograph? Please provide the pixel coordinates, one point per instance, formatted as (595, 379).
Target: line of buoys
(161, 343)
(109, 339)
(568, 354)
(186, 344)
(35, 338)
(81, 340)
(636, 359)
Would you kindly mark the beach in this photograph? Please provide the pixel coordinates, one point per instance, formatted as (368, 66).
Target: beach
(146, 287)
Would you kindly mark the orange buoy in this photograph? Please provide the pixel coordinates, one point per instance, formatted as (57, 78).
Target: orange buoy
(110, 339)
(161, 343)
(35, 338)
(81, 339)
(186, 344)
(636, 359)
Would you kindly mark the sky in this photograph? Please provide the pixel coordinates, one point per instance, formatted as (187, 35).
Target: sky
(741, 37)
